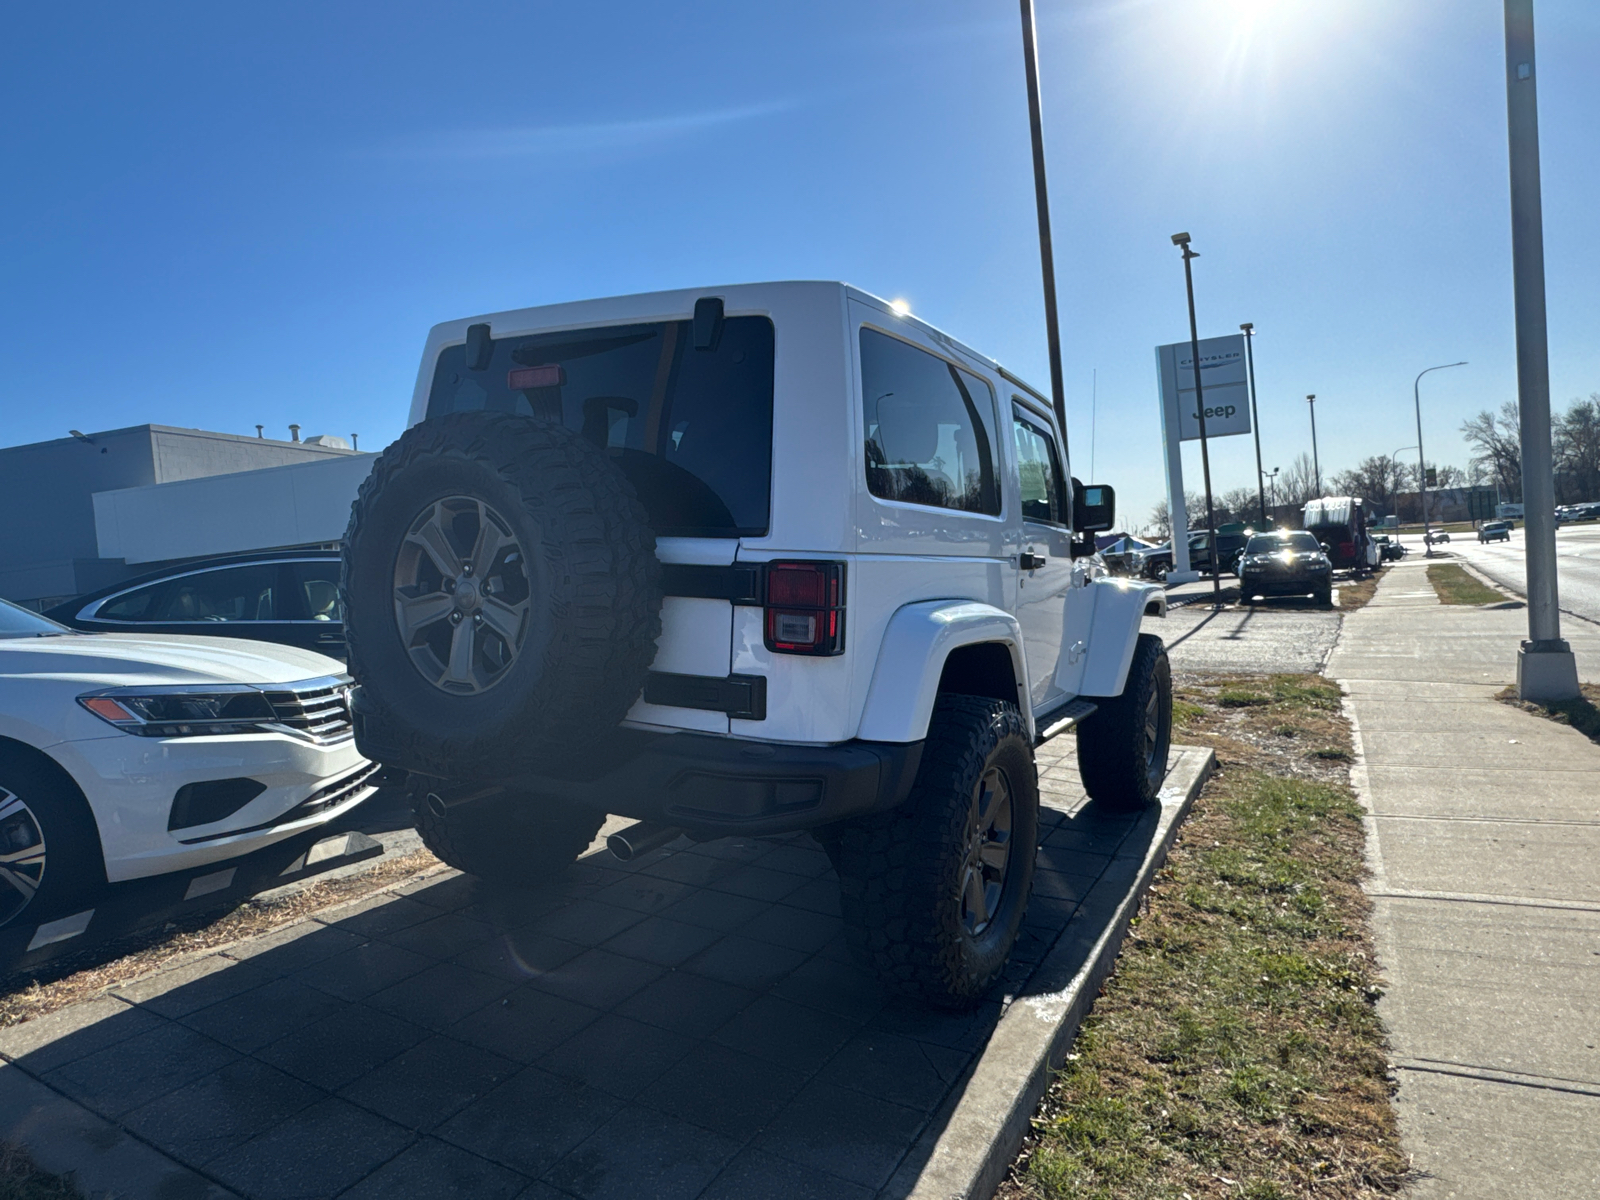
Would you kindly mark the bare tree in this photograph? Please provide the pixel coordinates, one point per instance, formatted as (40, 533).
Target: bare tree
(1577, 451)
(1496, 441)
(1161, 519)
(1376, 480)
(1239, 504)
(1298, 483)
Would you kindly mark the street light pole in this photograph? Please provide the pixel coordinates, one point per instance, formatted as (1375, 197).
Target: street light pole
(1272, 479)
(1255, 418)
(1422, 466)
(1395, 459)
(1182, 240)
(1041, 197)
(1316, 463)
(1546, 669)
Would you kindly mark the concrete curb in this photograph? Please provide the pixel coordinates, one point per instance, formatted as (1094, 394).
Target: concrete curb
(969, 1146)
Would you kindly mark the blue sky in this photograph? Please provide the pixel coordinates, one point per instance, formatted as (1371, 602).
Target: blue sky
(219, 215)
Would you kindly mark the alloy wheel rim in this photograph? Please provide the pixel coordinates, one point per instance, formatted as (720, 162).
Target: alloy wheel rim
(988, 851)
(22, 855)
(462, 600)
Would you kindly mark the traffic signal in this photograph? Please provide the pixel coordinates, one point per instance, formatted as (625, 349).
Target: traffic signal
(1432, 476)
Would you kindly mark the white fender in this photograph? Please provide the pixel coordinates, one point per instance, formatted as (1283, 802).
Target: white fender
(1119, 606)
(911, 659)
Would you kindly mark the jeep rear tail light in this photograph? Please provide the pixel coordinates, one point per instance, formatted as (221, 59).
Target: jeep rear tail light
(804, 613)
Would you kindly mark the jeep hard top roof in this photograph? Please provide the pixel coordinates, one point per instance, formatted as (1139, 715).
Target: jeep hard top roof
(677, 304)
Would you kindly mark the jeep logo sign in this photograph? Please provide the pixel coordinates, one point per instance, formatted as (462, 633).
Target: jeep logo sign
(1223, 383)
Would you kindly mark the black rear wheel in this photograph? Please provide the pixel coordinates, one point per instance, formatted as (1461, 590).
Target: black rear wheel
(1122, 747)
(933, 893)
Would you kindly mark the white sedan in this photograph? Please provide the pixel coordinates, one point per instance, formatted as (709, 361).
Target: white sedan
(126, 756)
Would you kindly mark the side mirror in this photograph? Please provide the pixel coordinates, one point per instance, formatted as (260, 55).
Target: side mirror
(1324, 546)
(1094, 507)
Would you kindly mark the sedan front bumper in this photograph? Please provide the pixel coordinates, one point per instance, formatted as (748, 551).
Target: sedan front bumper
(131, 782)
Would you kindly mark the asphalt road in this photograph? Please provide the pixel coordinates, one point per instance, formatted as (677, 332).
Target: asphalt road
(1577, 565)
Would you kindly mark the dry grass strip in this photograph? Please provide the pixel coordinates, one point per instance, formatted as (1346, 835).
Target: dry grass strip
(1236, 1051)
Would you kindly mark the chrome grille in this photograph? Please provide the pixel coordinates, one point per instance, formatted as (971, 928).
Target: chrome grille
(318, 709)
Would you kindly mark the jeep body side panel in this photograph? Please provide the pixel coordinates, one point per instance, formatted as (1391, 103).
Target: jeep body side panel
(911, 659)
(1119, 608)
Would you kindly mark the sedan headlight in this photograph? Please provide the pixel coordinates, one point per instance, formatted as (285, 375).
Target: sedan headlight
(182, 711)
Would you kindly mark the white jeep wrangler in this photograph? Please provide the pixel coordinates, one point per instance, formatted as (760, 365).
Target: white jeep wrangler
(748, 560)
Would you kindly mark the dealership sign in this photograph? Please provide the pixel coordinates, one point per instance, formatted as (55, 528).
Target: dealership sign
(1223, 383)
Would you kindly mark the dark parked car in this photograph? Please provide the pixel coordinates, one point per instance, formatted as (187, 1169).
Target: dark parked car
(1388, 551)
(1122, 555)
(1156, 563)
(1288, 563)
(286, 596)
(1494, 531)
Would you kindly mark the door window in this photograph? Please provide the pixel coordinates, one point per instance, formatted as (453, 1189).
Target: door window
(1039, 473)
(929, 425)
(318, 587)
(137, 605)
(230, 594)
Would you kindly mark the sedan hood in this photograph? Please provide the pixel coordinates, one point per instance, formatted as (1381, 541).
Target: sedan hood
(119, 659)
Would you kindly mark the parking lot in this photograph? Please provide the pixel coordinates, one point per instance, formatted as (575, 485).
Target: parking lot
(690, 1024)
(1279, 635)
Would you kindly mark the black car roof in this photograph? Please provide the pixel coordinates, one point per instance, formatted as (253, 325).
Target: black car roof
(196, 564)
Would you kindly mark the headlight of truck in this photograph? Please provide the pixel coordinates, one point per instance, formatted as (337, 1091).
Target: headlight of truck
(181, 711)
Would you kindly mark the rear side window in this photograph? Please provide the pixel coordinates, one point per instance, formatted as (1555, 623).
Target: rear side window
(930, 428)
(1038, 471)
(318, 586)
(137, 605)
(233, 594)
(690, 428)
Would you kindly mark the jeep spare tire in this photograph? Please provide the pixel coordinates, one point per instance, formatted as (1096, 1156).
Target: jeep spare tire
(502, 597)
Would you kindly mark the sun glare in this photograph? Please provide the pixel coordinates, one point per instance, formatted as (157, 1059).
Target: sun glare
(901, 308)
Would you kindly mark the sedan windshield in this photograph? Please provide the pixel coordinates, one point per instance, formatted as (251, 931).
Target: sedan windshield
(1274, 543)
(16, 621)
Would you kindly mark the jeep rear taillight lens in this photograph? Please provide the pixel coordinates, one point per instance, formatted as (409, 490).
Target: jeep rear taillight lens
(804, 612)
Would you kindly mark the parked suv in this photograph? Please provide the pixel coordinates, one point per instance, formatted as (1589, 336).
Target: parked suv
(1494, 531)
(1156, 563)
(748, 561)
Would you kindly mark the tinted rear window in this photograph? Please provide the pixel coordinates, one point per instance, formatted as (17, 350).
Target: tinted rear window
(691, 429)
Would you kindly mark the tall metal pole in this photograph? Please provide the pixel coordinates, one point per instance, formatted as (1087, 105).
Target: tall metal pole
(1182, 239)
(1546, 669)
(1255, 418)
(1041, 197)
(1422, 466)
(1316, 463)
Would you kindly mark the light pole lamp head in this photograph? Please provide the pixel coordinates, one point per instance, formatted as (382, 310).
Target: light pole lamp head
(1180, 239)
(1312, 398)
(1247, 326)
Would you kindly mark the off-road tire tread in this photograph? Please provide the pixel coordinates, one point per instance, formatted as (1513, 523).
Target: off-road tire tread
(891, 866)
(1111, 759)
(607, 596)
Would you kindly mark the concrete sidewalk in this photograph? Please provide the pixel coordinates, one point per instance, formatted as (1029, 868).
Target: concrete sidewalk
(1484, 841)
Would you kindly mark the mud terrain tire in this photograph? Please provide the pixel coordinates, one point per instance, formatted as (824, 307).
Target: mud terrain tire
(1122, 748)
(903, 875)
(579, 557)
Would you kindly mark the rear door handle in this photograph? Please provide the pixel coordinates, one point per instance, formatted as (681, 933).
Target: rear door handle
(1029, 561)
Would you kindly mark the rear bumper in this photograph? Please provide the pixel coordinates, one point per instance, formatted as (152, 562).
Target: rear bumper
(720, 786)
